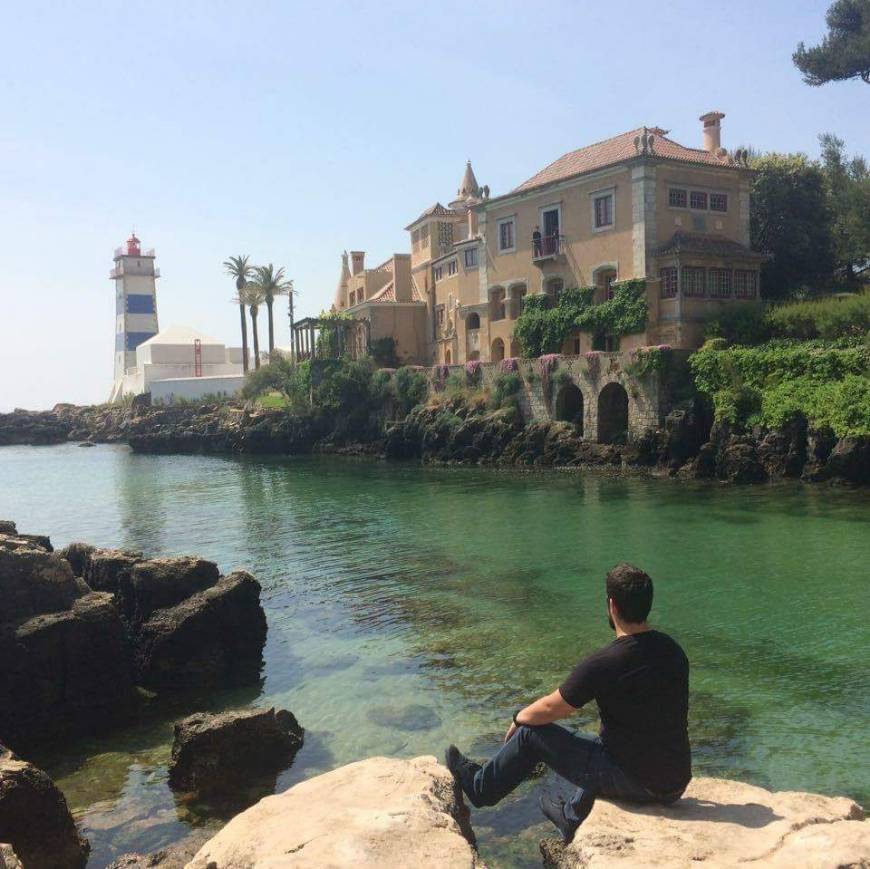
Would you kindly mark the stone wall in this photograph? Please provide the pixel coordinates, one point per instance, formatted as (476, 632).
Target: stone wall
(648, 398)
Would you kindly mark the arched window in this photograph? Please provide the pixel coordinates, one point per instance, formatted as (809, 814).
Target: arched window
(612, 414)
(518, 293)
(472, 321)
(605, 278)
(553, 288)
(497, 351)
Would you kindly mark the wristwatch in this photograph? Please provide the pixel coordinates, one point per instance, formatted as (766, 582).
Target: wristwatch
(517, 723)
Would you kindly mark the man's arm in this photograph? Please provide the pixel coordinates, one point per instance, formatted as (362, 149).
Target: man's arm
(545, 710)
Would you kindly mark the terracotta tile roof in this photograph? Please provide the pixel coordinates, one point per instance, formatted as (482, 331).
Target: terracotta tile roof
(436, 210)
(689, 242)
(616, 150)
(385, 294)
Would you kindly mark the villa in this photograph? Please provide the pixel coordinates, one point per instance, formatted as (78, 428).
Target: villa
(636, 206)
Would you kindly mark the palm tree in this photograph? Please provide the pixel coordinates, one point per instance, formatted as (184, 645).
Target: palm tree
(253, 296)
(272, 283)
(237, 267)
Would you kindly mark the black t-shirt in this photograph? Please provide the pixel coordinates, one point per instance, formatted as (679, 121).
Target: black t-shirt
(641, 685)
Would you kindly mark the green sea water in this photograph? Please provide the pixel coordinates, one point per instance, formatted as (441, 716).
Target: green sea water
(410, 607)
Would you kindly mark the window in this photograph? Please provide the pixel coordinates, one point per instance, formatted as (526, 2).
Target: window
(445, 236)
(694, 278)
(424, 235)
(576, 346)
(720, 283)
(603, 208)
(452, 267)
(677, 197)
(698, 200)
(415, 239)
(554, 288)
(439, 316)
(506, 235)
(471, 258)
(745, 284)
(473, 322)
(669, 282)
(718, 202)
(438, 273)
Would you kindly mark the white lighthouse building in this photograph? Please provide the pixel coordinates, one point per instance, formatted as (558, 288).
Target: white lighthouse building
(135, 280)
(177, 363)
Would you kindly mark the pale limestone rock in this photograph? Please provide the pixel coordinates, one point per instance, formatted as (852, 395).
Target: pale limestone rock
(720, 824)
(380, 813)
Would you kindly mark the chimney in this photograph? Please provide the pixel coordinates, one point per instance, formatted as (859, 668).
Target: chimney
(712, 131)
(357, 261)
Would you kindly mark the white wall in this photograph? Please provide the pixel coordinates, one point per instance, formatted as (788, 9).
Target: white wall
(190, 388)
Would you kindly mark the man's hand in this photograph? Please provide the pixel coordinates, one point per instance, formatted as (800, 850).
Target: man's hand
(545, 710)
(510, 731)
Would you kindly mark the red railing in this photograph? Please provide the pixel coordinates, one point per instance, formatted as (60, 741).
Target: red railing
(547, 246)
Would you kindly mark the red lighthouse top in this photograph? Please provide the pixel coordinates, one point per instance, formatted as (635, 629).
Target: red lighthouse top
(133, 245)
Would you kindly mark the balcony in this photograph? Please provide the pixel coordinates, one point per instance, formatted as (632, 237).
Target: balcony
(119, 271)
(122, 251)
(548, 247)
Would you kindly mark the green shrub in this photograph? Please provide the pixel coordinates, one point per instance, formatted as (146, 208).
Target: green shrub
(740, 324)
(410, 387)
(383, 351)
(505, 390)
(543, 327)
(830, 318)
(271, 377)
(772, 383)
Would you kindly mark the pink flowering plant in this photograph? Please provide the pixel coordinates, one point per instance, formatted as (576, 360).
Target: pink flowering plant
(547, 364)
(509, 365)
(473, 372)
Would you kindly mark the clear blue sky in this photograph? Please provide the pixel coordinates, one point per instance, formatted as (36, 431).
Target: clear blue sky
(291, 131)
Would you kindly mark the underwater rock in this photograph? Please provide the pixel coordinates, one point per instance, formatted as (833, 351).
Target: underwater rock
(412, 717)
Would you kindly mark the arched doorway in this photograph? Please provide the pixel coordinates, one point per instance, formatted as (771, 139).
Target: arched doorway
(446, 357)
(515, 348)
(473, 321)
(497, 351)
(612, 414)
(569, 405)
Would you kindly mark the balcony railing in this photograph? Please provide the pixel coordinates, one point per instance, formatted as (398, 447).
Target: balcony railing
(118, 272)
(122, 251)
(547, 246)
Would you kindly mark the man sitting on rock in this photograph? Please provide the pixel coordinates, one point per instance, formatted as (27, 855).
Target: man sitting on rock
(641, 685)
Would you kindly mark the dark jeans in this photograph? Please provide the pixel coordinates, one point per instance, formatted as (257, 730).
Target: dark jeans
(581, 760)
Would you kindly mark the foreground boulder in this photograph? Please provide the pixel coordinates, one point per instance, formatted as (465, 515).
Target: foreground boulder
(35, 820)
(381, 813)
(214, 637)
(219, 754)
(720, 824)
(8, 858)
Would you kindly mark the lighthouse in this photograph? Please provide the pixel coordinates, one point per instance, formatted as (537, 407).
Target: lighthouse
(135, 280)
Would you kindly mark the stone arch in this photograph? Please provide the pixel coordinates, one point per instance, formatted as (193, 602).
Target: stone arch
(496, 353)
(472, 321)
(603, 278)
(569, 405)
(516, 294)
(612, 414)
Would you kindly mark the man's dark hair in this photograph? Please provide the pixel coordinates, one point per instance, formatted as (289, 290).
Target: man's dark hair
(631, 590)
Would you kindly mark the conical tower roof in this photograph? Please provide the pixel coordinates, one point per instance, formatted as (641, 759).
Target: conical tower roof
(341, 289)
(468, 187)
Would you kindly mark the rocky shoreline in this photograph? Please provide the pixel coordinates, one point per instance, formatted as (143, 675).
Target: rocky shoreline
(456, 432)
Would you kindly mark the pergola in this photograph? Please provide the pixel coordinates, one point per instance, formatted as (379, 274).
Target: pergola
(318, 338)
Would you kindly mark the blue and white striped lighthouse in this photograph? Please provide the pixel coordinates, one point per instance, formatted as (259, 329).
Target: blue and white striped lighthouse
(135, 279)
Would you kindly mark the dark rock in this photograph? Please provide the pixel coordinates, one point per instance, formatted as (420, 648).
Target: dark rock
(109, 569)
(739, 463)
(65, 673)
(35, 819)
(162, 582)
(38, 541)
(78, 555)
(7, 526)
(214, 637)
(850, 460)
(215, 754)
(33, 581)
(783, 453)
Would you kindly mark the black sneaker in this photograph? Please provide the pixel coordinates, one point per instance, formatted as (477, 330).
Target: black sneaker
(554, 810)
(463, 770)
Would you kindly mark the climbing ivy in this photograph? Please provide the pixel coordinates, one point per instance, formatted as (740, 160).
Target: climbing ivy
(543, 327)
